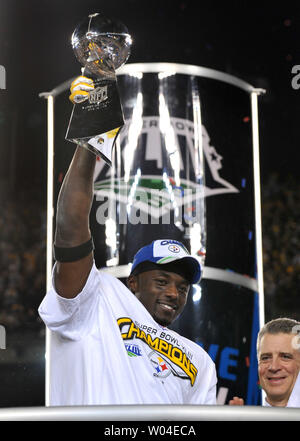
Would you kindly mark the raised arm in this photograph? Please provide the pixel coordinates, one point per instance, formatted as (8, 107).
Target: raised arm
(72, 224)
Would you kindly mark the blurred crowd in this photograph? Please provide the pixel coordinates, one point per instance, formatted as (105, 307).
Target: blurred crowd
(23, 255)
(22, 262)
(281, 246)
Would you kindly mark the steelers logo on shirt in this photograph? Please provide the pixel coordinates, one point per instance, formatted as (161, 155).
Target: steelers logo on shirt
(160, 365)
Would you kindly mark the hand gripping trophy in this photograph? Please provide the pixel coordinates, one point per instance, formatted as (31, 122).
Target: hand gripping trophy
(101, 45)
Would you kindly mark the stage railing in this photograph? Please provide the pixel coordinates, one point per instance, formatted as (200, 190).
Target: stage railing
(151, 413)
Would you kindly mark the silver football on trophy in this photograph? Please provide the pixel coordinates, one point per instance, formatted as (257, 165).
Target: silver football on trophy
(101, 44)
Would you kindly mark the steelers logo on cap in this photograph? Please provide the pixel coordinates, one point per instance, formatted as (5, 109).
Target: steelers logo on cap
(174, 248)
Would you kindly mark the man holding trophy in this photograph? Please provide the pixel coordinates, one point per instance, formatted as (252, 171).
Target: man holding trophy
(110, 343)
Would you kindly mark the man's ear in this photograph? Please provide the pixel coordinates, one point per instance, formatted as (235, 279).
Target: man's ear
(132, 283)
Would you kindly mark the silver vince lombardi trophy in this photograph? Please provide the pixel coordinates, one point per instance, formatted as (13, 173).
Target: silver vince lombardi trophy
(101, 45)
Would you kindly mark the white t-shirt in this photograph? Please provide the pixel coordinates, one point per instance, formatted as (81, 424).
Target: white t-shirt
(107, 349)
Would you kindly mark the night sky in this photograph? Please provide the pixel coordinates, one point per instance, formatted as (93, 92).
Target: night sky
(255, 41)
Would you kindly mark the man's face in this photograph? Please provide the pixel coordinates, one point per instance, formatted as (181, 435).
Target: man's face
(278, 367)
(163, 294)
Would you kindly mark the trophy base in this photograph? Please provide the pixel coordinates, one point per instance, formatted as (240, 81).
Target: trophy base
(93, 150)
(95, 123)
(101, 145)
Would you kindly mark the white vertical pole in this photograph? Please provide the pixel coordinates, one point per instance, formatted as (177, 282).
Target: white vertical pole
(50, 211)
(257, 202)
